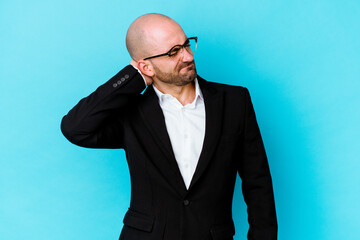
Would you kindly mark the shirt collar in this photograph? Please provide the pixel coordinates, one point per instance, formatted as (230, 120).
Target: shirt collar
(163, 97)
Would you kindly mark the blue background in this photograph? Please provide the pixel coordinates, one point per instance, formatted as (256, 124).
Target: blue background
(299, 59)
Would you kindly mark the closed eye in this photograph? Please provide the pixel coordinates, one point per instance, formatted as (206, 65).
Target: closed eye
(175, 50)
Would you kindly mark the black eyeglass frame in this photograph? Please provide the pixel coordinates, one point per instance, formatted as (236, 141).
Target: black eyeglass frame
(179, 45)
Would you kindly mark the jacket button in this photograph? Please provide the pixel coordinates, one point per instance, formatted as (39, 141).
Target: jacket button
(126, 76)
(115, 85)
(186, 202)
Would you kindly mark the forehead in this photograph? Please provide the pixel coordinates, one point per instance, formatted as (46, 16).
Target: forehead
(165, 36)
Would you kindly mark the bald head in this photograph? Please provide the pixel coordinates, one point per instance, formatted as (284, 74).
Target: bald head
(146, 32)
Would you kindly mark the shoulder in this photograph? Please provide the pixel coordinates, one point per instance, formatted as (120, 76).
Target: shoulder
(228, 90)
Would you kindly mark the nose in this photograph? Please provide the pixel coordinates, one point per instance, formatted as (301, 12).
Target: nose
(187, 55)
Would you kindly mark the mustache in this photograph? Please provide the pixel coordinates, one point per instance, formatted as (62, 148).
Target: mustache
(188, 65)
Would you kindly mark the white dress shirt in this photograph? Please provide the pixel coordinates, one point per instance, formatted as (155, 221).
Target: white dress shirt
(186, 128)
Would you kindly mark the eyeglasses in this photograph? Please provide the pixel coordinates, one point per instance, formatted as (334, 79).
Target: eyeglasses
(190, 45)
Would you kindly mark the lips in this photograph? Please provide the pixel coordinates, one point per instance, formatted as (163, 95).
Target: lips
(191, 66)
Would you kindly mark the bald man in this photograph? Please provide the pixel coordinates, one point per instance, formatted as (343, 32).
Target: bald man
(185, 140)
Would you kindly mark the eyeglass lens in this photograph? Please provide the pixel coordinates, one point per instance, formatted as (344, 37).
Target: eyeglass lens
(190, 46)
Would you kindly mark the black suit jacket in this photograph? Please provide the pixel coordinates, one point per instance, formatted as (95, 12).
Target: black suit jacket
(117, 115)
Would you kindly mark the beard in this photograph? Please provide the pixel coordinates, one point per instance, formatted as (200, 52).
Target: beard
(177, 77)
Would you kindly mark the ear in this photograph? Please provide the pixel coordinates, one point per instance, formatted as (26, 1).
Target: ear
(145, 68)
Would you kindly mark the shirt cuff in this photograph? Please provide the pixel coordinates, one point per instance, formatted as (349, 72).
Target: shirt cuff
(140, 74)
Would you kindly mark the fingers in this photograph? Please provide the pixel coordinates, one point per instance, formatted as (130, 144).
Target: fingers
(133, 63)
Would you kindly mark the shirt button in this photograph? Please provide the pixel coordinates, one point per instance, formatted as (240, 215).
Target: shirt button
(186, 165)
(186, 136)
(186, 202)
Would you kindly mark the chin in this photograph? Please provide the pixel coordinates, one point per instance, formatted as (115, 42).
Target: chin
(193, 75)
(189, 79)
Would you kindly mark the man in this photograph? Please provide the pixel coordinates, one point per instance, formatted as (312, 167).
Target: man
(185, 140)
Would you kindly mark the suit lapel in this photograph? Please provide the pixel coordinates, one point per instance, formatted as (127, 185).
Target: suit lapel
(154, 120)
(213, 113)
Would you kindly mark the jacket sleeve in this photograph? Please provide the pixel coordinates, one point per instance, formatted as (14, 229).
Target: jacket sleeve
(256, 180)
(97, 120)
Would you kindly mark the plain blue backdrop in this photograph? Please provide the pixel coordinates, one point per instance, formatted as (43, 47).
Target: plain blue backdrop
(299, 59)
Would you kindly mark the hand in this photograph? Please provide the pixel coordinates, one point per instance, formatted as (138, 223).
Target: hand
(148, 80)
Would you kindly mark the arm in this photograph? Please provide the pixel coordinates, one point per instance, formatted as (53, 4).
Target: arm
(96, 121)
(256, 180)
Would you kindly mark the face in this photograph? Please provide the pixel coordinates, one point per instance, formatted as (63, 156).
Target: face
(176, 70)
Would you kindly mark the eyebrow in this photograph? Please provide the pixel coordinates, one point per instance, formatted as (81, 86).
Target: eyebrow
(179, 44)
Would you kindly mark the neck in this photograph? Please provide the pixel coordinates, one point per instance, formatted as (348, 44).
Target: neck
(184, 94)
